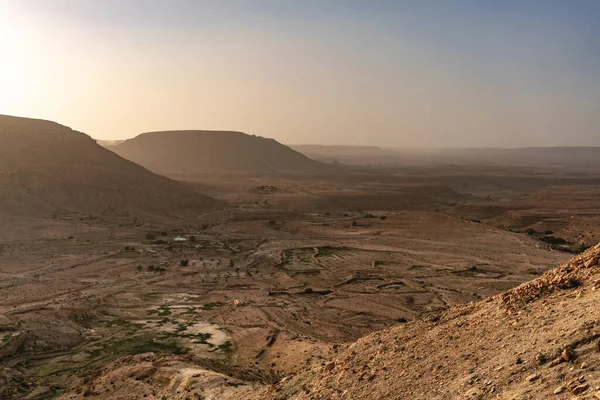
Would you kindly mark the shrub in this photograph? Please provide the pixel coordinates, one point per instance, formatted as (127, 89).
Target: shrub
(184, 263)
(553, 240)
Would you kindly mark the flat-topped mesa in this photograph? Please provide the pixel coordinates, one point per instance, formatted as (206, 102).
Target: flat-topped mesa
(197, 151)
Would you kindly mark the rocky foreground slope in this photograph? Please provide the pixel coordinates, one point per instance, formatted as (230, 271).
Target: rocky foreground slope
(539, 340)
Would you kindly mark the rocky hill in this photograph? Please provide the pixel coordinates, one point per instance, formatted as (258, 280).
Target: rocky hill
(45, 167)
(539, 340)
(212, 152)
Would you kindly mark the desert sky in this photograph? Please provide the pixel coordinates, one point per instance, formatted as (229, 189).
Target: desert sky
(445, 73)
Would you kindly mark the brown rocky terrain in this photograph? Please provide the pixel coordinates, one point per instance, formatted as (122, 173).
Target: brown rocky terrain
(270, 295)
(212, 152)
(540, 340)
(47, 168)
(558, 215)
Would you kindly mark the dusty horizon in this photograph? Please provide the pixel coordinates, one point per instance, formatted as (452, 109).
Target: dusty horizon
(339, 145)
(388, 74)
(345, 199)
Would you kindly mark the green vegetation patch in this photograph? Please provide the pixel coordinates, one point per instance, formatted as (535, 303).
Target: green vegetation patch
(126, 254)
(210, 306)
(283, 264)
(120, 322)
(198, 338)
(162, 311)
(226, 347)
(325, 252)
(146, 343)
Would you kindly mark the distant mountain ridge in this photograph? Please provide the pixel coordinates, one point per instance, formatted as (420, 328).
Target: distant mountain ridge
(573, 157)
(201, 151)
(45, 167)
(342, 150)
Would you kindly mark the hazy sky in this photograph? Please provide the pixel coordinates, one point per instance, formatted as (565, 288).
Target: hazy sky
(391, 73)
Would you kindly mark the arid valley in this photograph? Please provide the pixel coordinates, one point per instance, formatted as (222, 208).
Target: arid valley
(299, 200)
(217, 280)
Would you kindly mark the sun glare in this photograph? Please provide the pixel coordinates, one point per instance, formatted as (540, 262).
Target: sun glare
(14, 81)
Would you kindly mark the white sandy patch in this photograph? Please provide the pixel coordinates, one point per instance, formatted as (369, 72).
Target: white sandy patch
(218, 337)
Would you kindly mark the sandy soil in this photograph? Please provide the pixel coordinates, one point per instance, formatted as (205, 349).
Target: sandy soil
(279, 283)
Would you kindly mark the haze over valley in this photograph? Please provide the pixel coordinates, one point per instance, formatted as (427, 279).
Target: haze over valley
(299, 200)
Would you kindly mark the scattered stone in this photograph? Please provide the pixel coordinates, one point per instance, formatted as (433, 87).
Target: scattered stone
(540, 358)
(590, 263)
(556, 362)
(568, 354)
(560, 389)
(580, 388)
(532, 378)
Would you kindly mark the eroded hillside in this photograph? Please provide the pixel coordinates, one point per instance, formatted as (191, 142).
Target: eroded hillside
(539, 340)
(48, 168)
